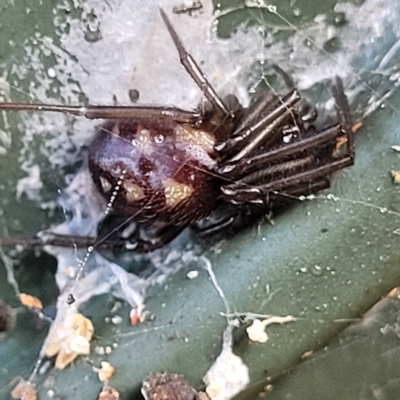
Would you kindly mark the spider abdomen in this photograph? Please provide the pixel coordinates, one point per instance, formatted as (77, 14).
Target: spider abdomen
(155, 169)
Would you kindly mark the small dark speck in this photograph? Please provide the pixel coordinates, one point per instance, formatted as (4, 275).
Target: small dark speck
(339, 19)
(93, 35)
(324, 230)
(70, 299)
(83, 99)
(134, 95)
(332, 45)
(196, 6)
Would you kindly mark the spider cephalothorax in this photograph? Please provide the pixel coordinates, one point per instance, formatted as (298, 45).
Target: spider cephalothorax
(167, 168)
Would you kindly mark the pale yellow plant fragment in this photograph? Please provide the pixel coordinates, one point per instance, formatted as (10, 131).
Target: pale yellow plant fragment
(70, 340)
(30, 301)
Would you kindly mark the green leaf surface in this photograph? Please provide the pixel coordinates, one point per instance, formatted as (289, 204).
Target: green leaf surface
(325, 261)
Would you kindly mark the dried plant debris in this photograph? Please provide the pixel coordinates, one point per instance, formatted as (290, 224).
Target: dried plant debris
(106, 371)
(7, 317)
(24, 391)
(30, 301)
(158, 386)
(135, 317)
(396, 177)
(70, 340)
(109, 393)
(229, 375)
(256, 331)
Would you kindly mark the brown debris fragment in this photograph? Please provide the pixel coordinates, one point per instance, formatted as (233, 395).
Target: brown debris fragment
(24, 391)
(356, 126)
(394, 293)
(30, 301)
(109, 393)
(396, 177)
(70, 340)
(106, 371)
(158, 386)
(7, 317)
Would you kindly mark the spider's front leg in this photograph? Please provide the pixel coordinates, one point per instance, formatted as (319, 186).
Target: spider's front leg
(110, 240)
(302, 167)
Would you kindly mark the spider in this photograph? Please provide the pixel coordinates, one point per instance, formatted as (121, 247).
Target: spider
(166, 168)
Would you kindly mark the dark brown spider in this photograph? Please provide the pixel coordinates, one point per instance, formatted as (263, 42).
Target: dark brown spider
(167, 168)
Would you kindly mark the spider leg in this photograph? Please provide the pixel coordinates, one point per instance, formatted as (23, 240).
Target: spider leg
(54, 239)
(141, 112)
(136, 244)
(265, 128)
(344, 116)
(260, 113)
(298, 173)
(276, 198)
(286, 78)
(236, 218)
(204, 229)
(261, 190)
(109, 112)
(303, 190)
(232, 170)
(308, 112)
(260, 104)
(161, 238)
(194, 70)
